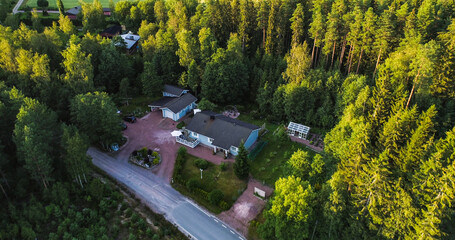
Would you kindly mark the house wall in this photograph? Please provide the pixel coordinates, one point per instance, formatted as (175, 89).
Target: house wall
(168, 113)
(166, 94)
(203, 139)
(176, 116)
(252, 138)
(233, 152)
(184, 111)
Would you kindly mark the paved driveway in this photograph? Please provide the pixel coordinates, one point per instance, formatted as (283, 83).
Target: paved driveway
(154, 132)
(158, 195)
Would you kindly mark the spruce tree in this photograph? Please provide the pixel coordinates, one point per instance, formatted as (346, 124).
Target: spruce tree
(241, 165)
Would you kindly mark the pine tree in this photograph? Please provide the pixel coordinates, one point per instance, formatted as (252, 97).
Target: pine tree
(241, 165)
(318, 27)
(262, 17)
(297, 26)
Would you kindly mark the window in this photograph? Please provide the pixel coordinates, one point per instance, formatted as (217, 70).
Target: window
(235, 149)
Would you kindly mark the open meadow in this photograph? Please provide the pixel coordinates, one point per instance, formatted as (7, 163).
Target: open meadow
(67, 3)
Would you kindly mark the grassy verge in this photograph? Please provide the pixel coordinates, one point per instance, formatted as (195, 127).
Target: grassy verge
(212, 178)
(138, 106)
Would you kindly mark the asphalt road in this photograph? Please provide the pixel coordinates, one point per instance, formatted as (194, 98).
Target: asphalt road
(162, 198)
(17, 6)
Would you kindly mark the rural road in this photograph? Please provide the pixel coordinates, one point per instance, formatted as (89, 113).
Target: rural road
(18, 5)
(162, 198)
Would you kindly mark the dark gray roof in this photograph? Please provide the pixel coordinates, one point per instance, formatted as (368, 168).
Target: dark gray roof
(161, 102)
(74, 11)
(179, 103)
(225, 131)
(173, 90)
(116, 29)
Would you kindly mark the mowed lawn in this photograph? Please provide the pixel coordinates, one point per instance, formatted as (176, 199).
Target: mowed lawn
(212, 178)
(271, 163)
(67, 3)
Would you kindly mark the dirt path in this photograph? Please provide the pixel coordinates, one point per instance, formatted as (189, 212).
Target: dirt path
(246, 208)
(307, 143)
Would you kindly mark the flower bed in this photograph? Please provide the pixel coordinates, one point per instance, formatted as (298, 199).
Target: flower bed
(145, 158)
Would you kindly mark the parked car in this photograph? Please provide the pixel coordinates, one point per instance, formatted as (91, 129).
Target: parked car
(131, 119)
(123, 125)
(115, 147)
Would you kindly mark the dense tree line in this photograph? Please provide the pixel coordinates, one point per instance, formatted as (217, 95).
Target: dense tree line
(377, 75)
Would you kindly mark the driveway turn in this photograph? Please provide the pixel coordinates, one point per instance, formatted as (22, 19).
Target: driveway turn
(158, 195)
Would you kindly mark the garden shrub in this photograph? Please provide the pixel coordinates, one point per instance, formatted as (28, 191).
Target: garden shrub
(181, 125)
(215, 196)
(223, 166)
(128, 212)
(96, 189)
(224, 205)
(179, 163)
(192, 184)
(182, 152)
(135, 218)
(201, 163)
(144, 152)
(202, 193)
(156, 160)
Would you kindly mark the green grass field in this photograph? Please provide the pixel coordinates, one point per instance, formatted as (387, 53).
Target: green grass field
(270, 163)
(67, 3)
(212, 178)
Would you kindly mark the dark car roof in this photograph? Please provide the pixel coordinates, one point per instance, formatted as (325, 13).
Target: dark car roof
(225, 131)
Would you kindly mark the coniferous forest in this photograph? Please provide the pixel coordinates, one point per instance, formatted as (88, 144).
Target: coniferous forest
(376, 76)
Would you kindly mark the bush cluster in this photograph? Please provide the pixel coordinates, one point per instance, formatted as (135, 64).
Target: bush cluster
(179, 164)
(201, 163)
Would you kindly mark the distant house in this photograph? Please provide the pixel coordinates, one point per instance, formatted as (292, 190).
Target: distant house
(107, 11)
(111, 32)
(175, 103)
(173, 91)
(219, 132)
(131, 41)
(73, 12)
